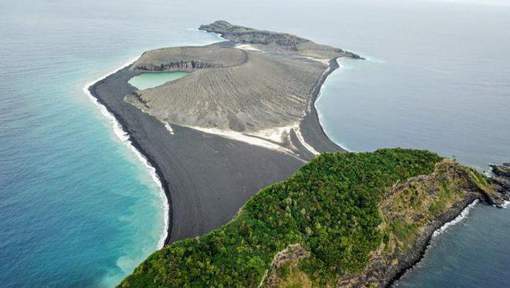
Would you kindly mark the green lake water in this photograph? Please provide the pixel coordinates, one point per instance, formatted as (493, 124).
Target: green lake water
(154, 79)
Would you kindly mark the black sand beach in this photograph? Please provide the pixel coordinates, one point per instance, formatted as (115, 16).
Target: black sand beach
(206, 177)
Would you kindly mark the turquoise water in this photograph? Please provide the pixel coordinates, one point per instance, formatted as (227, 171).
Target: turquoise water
(154, 79)
(77, 206)
(79, 209)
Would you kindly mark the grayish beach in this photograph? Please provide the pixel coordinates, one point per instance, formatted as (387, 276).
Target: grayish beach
(207, 177)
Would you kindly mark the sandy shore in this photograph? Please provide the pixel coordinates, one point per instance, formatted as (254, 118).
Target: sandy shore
(211, 145)
(124, 138)
(206, 177)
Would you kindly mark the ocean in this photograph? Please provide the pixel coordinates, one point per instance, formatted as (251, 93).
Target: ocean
(80, 208)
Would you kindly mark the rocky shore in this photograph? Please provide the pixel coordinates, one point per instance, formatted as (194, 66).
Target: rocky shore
(207, 176)
(490, 193)
(399, 253)
(501, 179)
(342, 220)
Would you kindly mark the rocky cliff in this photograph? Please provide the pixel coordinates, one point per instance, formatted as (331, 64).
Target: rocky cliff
(501, 178)
(343, 220)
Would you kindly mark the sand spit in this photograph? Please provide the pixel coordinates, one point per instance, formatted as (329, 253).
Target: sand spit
(236, 124)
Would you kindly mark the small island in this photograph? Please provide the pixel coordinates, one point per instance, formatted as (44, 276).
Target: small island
(242, 118)
(259, 196)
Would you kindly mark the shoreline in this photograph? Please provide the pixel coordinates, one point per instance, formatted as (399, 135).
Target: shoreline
(121, 130)
(166, 195)
(319, 117)
(125, 138)
(168, 186)
(453, 217)
(453, 220)
(312, 117)
(463, 215)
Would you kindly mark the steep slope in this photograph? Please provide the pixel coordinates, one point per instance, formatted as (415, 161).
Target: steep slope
(345, 219)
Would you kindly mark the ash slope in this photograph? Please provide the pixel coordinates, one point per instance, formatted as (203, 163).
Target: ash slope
(258, 81)
(206, 177)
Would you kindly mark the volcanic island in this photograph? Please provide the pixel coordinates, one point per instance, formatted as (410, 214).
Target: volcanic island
(258, 195)
(243, 118)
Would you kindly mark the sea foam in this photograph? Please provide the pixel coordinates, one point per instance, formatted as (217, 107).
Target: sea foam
(457, 219)
(124, 138)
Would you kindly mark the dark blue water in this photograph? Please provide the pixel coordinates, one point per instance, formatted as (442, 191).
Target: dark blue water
(471, 254)
(79, 209)
(438, 77)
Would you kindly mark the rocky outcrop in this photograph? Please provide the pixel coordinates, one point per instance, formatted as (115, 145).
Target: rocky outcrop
(189, 59)
(502, 170)
(413, 211)
(242, 34)
(344, 220)
(286, 259)
(501, 179)
(285, 41)
(178, 66)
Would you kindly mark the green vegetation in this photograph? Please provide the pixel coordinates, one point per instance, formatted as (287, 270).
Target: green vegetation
(330, 207)
(409, 207)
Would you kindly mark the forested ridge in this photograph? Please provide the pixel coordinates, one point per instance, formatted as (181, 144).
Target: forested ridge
(330, 207)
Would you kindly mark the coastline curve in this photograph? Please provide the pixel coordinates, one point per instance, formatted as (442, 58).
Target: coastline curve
(125, 138)
(453, 220)
(202, 172)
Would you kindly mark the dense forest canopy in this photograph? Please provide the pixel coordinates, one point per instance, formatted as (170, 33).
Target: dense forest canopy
(330, 207)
